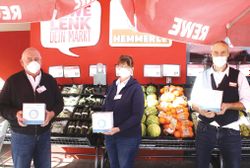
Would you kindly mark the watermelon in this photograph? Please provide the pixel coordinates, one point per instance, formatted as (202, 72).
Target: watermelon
(153, 130)
(143, 120)
(143, 129)
(152, 119)
(152, 110)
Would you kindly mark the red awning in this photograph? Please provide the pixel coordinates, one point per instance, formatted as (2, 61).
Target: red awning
(195, 21)
(16, 11)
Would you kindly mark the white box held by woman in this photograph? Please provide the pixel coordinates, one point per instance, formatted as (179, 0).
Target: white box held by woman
(102, 121)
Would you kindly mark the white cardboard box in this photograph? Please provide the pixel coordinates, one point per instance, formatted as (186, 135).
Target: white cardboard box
(34, 113)
(102, 121)
(211, 100)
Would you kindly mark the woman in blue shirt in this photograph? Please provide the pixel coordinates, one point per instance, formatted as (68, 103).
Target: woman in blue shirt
(125, 98)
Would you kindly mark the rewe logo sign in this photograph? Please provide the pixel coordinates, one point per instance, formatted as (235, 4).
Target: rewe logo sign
(188, 29)
(79, 29)
(12, 12)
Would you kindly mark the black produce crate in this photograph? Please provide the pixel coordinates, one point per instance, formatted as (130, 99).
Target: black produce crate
(66, 109)
(63, 127)
(91, 101)
(81, 113)
(67, 87)
(77, 129)
(94, 90)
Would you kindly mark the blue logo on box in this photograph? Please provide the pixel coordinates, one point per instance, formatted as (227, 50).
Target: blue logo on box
(101, 123)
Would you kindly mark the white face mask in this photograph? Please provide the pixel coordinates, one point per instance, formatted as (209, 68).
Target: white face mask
(124, 72)
(33, 67)
(219, 61)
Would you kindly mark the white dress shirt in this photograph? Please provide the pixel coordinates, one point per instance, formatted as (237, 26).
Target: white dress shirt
(121, 85)
(203, 81)
(34, 81)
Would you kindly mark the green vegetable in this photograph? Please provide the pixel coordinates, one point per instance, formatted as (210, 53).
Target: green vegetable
(154, 130)
(143, 88)
(151, 89)
(152, 110)
(143, 120)
(143, 129)
(152, 119)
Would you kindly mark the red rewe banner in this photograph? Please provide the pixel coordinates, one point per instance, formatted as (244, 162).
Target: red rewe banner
(26, 10)
(17, 11)
(195, 21)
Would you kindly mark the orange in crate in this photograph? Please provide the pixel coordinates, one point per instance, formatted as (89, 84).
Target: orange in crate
(178, 126)
(162, 120)
(187, 132)
(177, 134)
(187, 123)
(165, 126)
(183, 116)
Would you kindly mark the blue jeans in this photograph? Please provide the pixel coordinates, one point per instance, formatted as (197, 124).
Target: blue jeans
(122, 150)
(227, 140)
(27, 147)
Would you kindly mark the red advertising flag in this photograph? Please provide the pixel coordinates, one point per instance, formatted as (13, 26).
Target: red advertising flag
(195, 21)
(65, 7)
(17, 11)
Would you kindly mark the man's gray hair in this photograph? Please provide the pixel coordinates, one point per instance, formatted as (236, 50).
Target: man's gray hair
(30, 50)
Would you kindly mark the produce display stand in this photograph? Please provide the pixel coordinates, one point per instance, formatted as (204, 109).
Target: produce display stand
(162, 143)
(188, 146)
(3, 128)
(185, 145)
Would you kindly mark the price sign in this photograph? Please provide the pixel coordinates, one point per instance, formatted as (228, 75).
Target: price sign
(56, 71)
(152, 71)
(71, 71)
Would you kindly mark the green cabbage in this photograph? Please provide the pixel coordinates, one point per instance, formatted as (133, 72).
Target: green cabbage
(151, 89)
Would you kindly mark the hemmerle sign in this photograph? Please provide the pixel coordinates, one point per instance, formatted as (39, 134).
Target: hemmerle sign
(123, 34)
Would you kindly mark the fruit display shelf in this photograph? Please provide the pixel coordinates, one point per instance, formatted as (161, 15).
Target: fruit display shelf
(185, 146)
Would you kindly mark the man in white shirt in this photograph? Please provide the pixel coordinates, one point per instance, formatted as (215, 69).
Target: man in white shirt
(220, 128)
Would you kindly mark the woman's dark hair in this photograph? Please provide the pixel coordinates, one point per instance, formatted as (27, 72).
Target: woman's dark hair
(126, 59)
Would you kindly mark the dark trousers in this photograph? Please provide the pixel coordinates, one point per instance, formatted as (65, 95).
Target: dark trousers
(227, 140)
(27, 147)
(122, 150)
